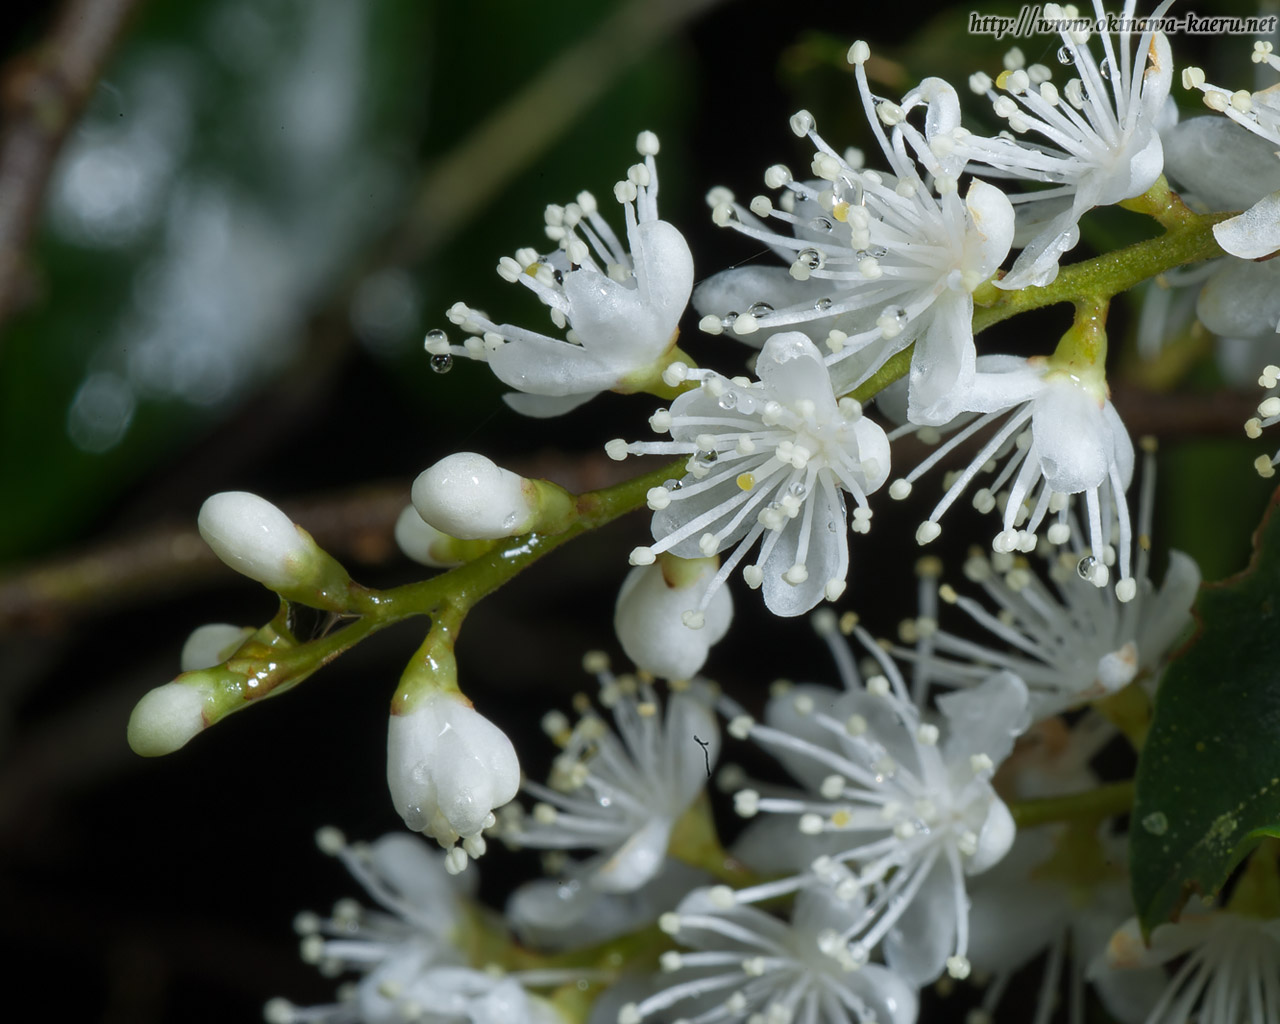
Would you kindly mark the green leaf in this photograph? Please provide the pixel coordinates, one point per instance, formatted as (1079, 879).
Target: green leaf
(1208, 783)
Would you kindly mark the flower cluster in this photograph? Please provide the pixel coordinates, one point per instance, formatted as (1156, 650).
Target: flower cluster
(939, 815)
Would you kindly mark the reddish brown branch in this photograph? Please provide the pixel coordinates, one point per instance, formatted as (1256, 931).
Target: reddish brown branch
(42, 93)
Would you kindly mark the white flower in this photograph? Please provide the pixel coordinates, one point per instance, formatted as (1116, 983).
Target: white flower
(770, 460)
(448, 768)
(622, 304)
(468, 496)
(1101, 139)
(878, 261)
(410, 952)
(257, 540)
(750, 966)
(1065, 901)
(1229, 975)
(621, 792)
(1256, 232)
(553, 914)
(1060, 437)
(1069, 642)
(906, 802)
(657, 620)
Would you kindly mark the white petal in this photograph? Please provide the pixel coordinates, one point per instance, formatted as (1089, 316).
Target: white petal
(985, 719)
(1220, 164)
(417, 873)
(1254, 233)
(944, 361)
(637, 860)
(919, 943)
(792, 369)
(1168, 614)
(1072, 437)
(545, 366)
(826, 559)
(1242, 300)
(1003, 932)
(545, 406)
(891, 999)
(664, 268)
(993, 222)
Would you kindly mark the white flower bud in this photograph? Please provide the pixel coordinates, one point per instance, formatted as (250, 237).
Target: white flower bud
(422, 542)
(167, 717)
(448, 767)
(256, 539)
(468, 496)
(212, 644)
(650, 617)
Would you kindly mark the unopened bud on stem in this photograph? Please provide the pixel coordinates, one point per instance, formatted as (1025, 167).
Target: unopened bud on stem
(448, 767)
(468, 496)
(258, 540)
(426, 545)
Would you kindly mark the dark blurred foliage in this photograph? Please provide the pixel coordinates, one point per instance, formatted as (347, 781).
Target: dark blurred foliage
(222, 305)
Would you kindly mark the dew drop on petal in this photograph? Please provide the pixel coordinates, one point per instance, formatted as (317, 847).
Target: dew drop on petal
(877, 251)
(810, 258)
(759, 309)
(728, 400)
(821, 224)
(1065, 56)
(1085, 567)
(435, 336)
(1156, 823)
(672, 484)
(797, 490)
(729, 319)
(822, 304)
(442, 363)
(1104, 69)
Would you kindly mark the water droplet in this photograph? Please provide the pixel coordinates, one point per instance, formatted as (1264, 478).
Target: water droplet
(558, 276)
(897, 314)
(442, 363)
(810, 258)
(729, 319)
(797, 490)
(435, 336)
(831, 526)
(759, 309)
(1085, 567)
(709, 456)
(1065, 56)
(1104, 69)
(877, 251)
(1155, 823)
(509, 522)
(821, 224)
(822, 304)
(728, 400)
(746, 404)
(672, 484)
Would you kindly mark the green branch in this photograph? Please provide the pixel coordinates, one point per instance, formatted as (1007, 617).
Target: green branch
(1095, 804)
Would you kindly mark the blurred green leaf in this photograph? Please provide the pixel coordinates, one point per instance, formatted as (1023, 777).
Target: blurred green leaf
(1208, 782)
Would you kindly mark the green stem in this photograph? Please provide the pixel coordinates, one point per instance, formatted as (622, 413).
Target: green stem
(451, 595)
(1104, 802)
